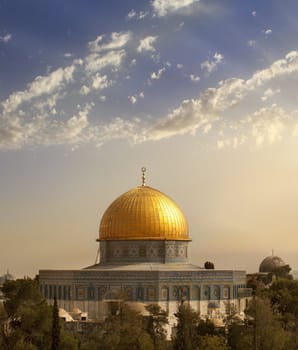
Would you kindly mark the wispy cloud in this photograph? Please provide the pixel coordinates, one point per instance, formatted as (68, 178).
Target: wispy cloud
(41, 86)
(269, 93)
(267, 31)
(96, 62)
(146, 44)
(211, 66)
(133, 99)
(265, 126)
(5, 38)
(30, 116)
(157, 75)
(214, 103)
(251, 43)
(137, 15)
(115, 41)
(165, 7)
(131, 14)
(56, 108)
(194, 78)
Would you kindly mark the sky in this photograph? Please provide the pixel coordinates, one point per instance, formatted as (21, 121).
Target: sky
(203, 93)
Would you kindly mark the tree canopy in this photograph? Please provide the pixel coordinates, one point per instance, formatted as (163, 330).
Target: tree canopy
(27, 322)
(27, 319)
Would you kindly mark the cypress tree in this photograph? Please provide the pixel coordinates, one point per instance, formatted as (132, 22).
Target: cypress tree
(186, 337)
(55, 326)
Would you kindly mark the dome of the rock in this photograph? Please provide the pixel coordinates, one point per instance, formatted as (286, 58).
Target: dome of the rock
(143, 213)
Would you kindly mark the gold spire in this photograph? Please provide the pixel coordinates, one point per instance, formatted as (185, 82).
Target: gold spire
(143, 169)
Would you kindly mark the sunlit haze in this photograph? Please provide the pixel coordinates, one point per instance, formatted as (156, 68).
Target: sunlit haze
(202, 93)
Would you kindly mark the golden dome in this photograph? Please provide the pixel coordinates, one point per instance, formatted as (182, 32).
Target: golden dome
(143, 213)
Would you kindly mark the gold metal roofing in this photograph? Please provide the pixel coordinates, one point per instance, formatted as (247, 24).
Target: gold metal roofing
(143, 213)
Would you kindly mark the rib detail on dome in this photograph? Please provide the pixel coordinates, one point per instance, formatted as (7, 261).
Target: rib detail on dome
(143, 213)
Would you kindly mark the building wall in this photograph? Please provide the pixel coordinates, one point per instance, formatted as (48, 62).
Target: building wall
(141, 251)
(210, 292)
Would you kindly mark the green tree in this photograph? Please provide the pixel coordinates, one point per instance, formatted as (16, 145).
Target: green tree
(123, 331)
(212, 342)
(283, 295)
(68, 341)
(26, 319)
(156, 323)
(55, 326)
(28, 316)
(206, 327)
(283, 272)
(263, 331)
(186, 337)
(240, 337)
(3, 327)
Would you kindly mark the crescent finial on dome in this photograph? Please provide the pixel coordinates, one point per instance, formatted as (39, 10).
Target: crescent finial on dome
(143, 169)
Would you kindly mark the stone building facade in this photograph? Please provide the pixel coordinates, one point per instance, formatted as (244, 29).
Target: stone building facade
(143, 254)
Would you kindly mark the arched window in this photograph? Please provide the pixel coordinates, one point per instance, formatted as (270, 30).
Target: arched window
(206, 293)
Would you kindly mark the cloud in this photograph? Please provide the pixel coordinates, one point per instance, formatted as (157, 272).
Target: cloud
(234, 142)
(116, 41)
(85, 90)
(69, 131)
(194, 78)
(97, 82)
(146, 44)
(211, 66)
(36, 115)
(142, 15)
(104, 54)
(251, 43)
(100, 82)
(186, 118)
(5, 38)
(15, 132)
(157, 75)
(269, 93)
(45, 112)
(131, 14)
(41, 85)
(134, 15)
(115, 130)
(165, 7)
(254, 13)
(133, 62)
(267, 31)
(95, 62)
(267, 125)
(213, 103)
(133, 99)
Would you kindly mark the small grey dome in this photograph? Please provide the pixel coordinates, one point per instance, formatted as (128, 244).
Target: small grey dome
(6, 277)
(270, 263)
